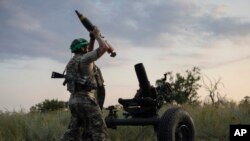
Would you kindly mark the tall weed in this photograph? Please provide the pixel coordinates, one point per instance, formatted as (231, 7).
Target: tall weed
(211, 123)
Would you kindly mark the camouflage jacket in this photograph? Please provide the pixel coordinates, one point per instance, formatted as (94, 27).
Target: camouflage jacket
(80, 69)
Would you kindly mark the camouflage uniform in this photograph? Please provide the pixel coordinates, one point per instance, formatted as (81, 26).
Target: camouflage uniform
(83, 103)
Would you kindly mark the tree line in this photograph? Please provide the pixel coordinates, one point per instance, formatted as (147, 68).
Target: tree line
(184, 90)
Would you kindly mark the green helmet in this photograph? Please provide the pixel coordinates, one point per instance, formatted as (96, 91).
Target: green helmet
(77, 44)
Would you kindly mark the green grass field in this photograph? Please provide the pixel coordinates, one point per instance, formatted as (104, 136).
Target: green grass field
(211, 123)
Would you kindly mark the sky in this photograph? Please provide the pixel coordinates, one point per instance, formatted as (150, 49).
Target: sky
(164, 35)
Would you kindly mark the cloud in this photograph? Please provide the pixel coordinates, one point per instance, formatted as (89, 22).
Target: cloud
(45, 29)
(163, 35)
(142, 22)
(224, 27)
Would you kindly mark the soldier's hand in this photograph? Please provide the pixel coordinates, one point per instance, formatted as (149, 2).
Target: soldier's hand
(110, 48)
(92, 36)
(96, 32)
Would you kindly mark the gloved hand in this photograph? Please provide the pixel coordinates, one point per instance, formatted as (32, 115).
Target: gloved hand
(95, 32)
(92, 36)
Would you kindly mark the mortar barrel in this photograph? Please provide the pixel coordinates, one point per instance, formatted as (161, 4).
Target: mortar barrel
(143, 80)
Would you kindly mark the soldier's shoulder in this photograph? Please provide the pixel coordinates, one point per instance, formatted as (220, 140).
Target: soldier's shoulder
(72, 62)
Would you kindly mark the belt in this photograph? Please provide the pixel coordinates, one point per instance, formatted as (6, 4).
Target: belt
(79, 87)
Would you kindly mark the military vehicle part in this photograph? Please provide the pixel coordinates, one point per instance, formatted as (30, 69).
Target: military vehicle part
(174, 125)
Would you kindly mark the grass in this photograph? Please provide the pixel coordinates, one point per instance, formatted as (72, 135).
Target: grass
(34, 126)
(211, 123)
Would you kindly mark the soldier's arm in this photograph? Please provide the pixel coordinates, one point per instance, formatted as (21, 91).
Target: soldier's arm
(103, 46)
(91, 42)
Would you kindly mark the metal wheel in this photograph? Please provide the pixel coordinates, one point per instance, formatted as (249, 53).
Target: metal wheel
(176, 125)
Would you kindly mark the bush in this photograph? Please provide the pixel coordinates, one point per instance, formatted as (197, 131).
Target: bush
(49, 105)
(184, 86)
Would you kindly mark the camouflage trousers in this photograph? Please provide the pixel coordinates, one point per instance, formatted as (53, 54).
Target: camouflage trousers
(86, 122)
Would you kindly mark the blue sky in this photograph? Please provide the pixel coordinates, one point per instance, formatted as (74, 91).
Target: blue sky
(165, 35)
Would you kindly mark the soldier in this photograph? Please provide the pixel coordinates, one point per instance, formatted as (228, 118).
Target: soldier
(81, 83)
